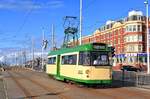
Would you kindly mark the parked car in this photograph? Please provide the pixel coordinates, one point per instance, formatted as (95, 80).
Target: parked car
(130, 68)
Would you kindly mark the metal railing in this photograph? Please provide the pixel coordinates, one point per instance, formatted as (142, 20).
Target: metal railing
(143, 79)
(129, 78)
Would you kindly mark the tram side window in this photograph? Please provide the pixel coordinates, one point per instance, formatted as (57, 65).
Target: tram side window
(52, 60)
(84, 58)
(69, 59)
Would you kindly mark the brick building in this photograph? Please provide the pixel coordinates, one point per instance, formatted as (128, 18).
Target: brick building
(127, 35)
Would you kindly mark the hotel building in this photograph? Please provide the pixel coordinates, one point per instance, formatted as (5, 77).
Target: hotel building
(128, 36)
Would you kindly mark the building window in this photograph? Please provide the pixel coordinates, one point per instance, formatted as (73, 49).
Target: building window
(135, 38)
(134, 18)
(107, 26)
(140, 48)
(140, 38)
(139, 18)
(104, 27)
(131, 48)
(130, 28)
(139, 28)
(129, 38)
(126, 29)
(134, 28)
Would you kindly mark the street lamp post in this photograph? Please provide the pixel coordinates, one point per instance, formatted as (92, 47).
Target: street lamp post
(42, 56)
(148, 65)
(80, 22)
(32, 53)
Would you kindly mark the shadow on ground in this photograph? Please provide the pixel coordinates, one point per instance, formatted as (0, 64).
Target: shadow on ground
(115, 84)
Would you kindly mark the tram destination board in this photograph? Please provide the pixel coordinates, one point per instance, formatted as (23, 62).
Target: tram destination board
(97, 46)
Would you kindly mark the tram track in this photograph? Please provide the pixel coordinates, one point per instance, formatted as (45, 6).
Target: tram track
(95, 92)
(84, 89)
(111, 93)
(47, 88)
(26, 92)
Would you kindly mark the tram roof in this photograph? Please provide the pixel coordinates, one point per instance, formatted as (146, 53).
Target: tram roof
(84, 47)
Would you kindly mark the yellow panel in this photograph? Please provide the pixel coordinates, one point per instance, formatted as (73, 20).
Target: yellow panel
(67, 70)
(79, 72)
(51, 69)
(100, 73)
(95, 73)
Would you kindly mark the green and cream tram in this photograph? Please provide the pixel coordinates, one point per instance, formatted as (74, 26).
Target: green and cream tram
(88, 64)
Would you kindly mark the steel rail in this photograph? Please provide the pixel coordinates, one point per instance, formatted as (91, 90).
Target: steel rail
(26, 92)
(48, 88)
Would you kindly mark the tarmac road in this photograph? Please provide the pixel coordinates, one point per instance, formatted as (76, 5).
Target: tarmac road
(24, 83)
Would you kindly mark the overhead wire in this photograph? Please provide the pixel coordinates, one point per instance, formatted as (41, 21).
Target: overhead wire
(26, 17)
(11, 38)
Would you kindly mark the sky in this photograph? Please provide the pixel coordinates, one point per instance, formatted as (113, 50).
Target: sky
(23, 20)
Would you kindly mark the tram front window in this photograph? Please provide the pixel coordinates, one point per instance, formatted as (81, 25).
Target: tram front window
(100, 59)
(94, 58)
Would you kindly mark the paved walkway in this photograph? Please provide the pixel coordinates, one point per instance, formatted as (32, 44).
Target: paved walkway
(13, 91)
(144, 86)
(2, 91)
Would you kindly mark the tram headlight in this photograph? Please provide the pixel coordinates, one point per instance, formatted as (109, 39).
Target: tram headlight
(87, 71)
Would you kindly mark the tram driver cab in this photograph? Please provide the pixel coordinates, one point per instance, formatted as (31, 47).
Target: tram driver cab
(100, 59)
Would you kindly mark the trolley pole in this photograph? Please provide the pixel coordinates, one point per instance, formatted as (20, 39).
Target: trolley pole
(147, 20)
(80, 22)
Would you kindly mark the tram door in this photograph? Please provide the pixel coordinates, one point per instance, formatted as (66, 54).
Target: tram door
(58, 65)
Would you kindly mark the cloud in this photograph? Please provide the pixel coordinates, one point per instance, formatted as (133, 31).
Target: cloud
(16, 4)
(55, 4)
(11, 52)
(30, 4)
(1, 58)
